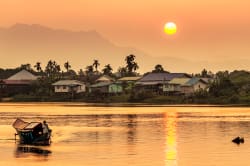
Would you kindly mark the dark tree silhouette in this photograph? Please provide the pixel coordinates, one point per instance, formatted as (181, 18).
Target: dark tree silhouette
(96, 64)
(38, 67)
(159, 69)
(67, 66)
(131, 66)
(107, 69)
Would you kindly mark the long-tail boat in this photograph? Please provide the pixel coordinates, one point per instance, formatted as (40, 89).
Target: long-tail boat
(32, 132)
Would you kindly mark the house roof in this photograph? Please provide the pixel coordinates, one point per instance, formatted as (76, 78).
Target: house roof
(193, 81)
(105, 78)
(129, 79)
(68, 83)
(23, 75)
(100, 84)
(162, 77)
(179, 81)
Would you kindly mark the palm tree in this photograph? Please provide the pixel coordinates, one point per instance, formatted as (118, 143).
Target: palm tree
(131, 66)
(107, 69)
(67, 66)
(38, 66)
(96, 64)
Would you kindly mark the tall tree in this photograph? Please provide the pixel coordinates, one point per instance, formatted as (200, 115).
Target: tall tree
(52, 70)
(38, 67)
(131, 66)
(67, 66)
(96, 64)
(107, 69)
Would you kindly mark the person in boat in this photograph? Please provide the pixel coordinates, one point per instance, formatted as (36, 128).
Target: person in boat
(45, 128)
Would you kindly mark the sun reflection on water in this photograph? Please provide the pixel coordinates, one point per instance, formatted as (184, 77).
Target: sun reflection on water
(171, 142)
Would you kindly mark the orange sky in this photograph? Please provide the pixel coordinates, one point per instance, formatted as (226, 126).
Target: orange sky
(209, 31)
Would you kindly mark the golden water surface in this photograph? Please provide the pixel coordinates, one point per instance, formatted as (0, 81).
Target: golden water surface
(122, 135)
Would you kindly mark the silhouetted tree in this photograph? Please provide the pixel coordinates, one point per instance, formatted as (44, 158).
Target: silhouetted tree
(38, 67)
(158, 69)
(26, 67)
(107, 69)
(67, 66)
(131, 66)
(52, 70)
(89, 69)
(96, 64)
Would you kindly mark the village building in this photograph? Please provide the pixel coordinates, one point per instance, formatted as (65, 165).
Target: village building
(128, 82)
(106, 88)
(184, 86)
(69, 86)
(153, 82)
(18, 83)
(193, 85)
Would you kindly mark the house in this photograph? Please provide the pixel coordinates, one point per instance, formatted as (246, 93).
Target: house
(69, 86)
(154, 82)
(193, 85)
(18, 83)
(106, 88)
(174, 86)
(184, 86)
(128, 82)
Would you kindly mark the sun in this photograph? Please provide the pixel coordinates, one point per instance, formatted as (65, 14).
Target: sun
(170, 28)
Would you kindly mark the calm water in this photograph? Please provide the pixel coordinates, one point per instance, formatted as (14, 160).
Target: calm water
(122, 136)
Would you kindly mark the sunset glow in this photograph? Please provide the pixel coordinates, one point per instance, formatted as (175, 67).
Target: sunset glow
(170, 28)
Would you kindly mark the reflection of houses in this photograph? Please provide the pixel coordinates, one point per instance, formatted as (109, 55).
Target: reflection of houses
(154, 82)
(18, 83)
(184, 86)
(106, 88)
(69, 86)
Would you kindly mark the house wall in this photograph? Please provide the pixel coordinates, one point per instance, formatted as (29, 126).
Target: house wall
(61, 89)
(67, 89)
(199, 85)
(80, 89)
(114, 88)
(187, 90)
(171, 88)
(192, 89)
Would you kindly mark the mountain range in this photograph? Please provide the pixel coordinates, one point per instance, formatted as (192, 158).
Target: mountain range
(23, 43)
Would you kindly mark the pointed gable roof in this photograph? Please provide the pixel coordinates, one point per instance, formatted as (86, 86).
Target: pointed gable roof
(105, 78)
(22, 75)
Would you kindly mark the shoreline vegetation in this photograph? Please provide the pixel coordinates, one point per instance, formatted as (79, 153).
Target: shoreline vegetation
(226, 88)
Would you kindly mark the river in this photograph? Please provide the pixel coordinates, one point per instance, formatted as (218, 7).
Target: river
(122, 135)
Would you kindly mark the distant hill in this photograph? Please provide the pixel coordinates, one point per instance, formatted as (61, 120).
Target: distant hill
(22, 43)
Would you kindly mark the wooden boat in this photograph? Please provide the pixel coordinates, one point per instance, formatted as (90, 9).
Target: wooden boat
(31, 133)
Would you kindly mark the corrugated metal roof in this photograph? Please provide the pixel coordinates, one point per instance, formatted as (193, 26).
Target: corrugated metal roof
(129, 79)
(179, 81)
(193, 81)
(68, 82)
(23, 75)
(163, 76)
(101, 84)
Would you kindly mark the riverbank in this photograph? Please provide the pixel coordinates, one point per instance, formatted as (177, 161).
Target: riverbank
(124, 100)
